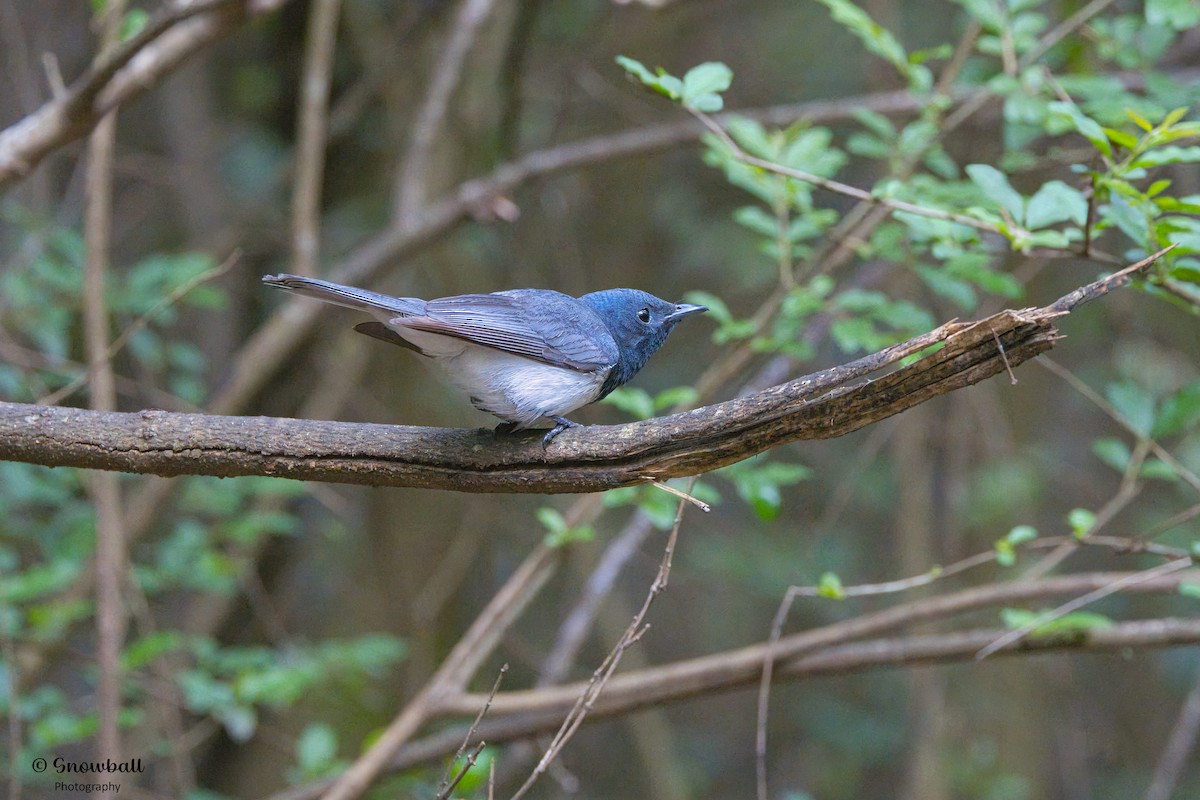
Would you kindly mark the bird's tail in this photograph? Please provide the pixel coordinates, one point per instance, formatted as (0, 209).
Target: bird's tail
(348, 296)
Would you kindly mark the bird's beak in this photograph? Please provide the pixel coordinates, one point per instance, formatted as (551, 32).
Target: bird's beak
(683, 309)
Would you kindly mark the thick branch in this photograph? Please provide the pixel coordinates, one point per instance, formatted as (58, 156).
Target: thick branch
(823, 405)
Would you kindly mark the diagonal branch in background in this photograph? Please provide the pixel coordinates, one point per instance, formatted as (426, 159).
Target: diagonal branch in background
(823, 405)
(169, 37)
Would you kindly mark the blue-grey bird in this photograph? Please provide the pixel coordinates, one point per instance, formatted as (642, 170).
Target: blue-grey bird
(525, 354)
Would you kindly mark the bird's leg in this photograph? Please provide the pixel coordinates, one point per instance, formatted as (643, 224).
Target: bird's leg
(560, 425)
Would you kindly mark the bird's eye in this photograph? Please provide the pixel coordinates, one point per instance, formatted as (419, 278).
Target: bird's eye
(644, 315)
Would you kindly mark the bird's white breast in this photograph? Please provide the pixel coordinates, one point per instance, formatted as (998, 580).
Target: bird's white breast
(514, 388)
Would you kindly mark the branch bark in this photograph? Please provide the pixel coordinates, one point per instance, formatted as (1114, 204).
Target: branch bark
(822, 405)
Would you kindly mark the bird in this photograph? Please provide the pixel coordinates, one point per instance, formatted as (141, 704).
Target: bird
(523, 355)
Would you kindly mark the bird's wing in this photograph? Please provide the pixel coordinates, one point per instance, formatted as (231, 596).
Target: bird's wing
(545, 326)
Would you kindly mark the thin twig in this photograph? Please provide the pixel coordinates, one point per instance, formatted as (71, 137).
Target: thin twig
(700, 504)
(103, 487)
(311, 134)
(764, 692)
(637, 628)
(446, 786)
(1189, 477)
(1182, 740)
(1100, 593)
(12, 677)
(837, 186)
(576, 625)
(475, 645)
(1012, 379)
(411, 182)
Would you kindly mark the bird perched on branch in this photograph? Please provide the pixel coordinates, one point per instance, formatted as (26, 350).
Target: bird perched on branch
(525, 354)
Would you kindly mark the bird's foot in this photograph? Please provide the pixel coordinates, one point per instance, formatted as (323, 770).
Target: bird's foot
(560, 425)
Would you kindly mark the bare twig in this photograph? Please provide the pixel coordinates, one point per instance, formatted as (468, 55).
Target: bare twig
(445, 792)
(1180, 743)
(1181, 469)
(837, 186)
(604, 672)
(13, 728)
(1012, 379)
(103, 487)
(411, 183)
(575, 626)
(446, 787)
(476, 644)
(700, 504)
(311, 133)
(1099, 593)
(764, 693)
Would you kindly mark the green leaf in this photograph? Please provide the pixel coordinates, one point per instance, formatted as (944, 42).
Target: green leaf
(1121, 138)
(876, 38)
(1081, 521)
(679, 395)
(316, 749)
(1077, 622)
(1138, 119)
(552, 519)
(1180, 412)
(1169, 154)
(1134, 404)
(1006, 548)
(1129, 220)
(135, 20)
(150, 647)
(631, 400)
(703, 84)
(1190, 589)
(1082, 123)
(1055, 202)
(995, 186)
(877, 123)
(830, 586)
(1178, 14)
(1021, 534)
(1113, 452)
(758, 220)
(1157, 469)
(558, 533)
(758, 483)
(661, 82)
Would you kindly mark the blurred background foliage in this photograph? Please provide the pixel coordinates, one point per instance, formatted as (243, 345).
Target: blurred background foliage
(275, 627)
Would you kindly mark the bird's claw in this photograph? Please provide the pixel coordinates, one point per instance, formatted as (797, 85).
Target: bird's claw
(560, 425)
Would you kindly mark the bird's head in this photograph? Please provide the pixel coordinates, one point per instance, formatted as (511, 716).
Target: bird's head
(639, 323)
